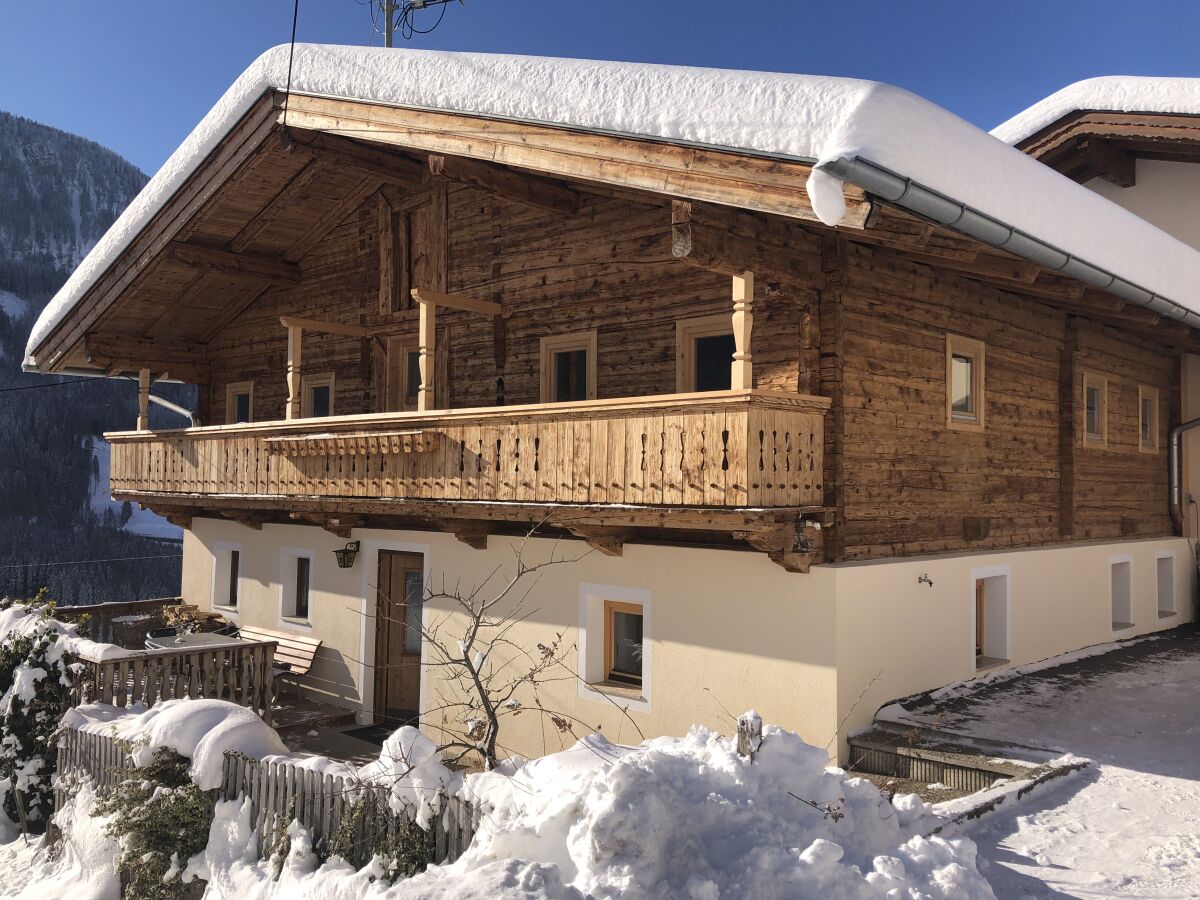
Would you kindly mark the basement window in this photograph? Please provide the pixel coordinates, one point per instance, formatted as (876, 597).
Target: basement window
(227, 564)
(1147, 419)
(1165, 572)
(1095, 410)
(568, 367)
(239, 402)
(296, 586)
(317, 396)
(964, 383)
(1121, 591)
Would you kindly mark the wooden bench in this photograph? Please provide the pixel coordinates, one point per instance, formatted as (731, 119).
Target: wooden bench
(294, 653)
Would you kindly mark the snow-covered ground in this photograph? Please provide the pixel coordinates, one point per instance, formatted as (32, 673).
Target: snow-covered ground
(143, 521)
(1129, 826)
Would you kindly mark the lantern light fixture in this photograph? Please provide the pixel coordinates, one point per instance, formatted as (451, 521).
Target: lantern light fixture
(346, 555)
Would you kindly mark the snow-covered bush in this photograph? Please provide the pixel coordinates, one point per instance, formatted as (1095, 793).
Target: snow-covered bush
(35, 691)
(160, 820)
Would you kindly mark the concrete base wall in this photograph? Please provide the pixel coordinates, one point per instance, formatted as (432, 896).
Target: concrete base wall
(725, 630)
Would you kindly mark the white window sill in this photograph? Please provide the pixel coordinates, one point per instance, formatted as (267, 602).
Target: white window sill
(1167, 613)
(227, 610)
(618, 691)
(1121, 626)
(296, 621)
(983, 663)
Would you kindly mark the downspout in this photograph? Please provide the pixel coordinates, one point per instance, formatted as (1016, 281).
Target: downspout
(946, 211)
(1173, 462)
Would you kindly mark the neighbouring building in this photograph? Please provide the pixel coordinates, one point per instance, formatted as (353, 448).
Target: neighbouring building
(837, 397)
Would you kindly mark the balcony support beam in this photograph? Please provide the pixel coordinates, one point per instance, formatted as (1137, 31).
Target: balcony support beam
(143, 421)
(295, 348)
(742, 374)
(426, 347)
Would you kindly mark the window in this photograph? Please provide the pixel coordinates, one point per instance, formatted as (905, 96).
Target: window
(295, 600)
(317, 396)
(1147, 419)
(227, 564)
(964, 383)
(1095, 410)
(990, 596)
(303, 570)
(414, 597)
(568, 366)
(239, 402)
(704, 349)
(623, 643)
(1121, 591)
(1165, 570)
(403, 374)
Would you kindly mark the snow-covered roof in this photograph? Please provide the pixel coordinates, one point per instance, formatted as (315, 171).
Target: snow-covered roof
(1112, 93)
(816, 118)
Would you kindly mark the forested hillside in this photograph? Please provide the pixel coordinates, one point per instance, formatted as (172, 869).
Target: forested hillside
(58, 194)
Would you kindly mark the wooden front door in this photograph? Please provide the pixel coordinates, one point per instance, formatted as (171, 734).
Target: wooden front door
(401, 593)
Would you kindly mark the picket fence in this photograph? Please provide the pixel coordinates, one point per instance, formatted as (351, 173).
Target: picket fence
(280, 792)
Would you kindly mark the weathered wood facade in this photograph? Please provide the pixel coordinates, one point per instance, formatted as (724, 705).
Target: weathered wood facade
(844, 332)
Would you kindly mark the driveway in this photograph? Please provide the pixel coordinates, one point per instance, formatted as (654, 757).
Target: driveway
(1130, 825)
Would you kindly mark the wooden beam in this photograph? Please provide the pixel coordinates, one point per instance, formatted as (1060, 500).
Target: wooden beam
(393, 256)
(247, 520)
(295, 351)
(742, 373)
(520, 187)
(143, 420)
(320, 327)
(239, 264)
(368, 159)
(471, 532)
(456, 301)
(280, 203)
(426, 341)
(181, 519)
(349, 202)
(1109, 162)
(236, 306)
(609, 541)
(715, 249)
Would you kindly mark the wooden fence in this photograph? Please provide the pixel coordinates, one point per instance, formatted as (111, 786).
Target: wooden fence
(281, 792)
(242, 674)
(96, 620)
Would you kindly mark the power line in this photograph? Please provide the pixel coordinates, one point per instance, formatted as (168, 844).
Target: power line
(84, 562)
(49, 384)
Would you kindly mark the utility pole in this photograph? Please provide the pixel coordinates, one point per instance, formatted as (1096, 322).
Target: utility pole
(389, 12)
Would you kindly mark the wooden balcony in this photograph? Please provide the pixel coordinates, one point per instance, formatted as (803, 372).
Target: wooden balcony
(728, 450)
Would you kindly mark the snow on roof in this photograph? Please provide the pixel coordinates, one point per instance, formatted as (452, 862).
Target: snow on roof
(1112, 93)
(815, 118)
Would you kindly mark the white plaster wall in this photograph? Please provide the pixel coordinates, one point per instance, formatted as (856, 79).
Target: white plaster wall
(1166, 193)
(899, 636)
(728, 630)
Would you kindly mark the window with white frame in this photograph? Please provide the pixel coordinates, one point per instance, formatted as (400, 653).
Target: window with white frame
(964, 383)
(296, 586)
(568, 367)
(615, 644)
(1095, 410)
(1165, 573)
(1147, 419)
(316, 396)
(992, 616)
(227, 565)
(1120, 575)
(704, 349)
(239, 402)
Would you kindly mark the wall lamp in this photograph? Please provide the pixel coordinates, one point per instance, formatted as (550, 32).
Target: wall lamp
(346, 555)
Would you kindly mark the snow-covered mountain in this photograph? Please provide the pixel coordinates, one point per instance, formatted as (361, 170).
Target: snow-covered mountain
(58, 194)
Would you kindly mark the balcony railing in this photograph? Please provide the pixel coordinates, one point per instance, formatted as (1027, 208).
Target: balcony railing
(721, 449)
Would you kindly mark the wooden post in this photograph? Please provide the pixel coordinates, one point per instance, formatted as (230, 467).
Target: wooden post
(294, 350)
(742, 375)
(143, 422)
(426, 337)
(749, 734)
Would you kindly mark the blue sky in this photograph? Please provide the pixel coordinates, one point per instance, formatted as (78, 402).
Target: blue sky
(137, 75)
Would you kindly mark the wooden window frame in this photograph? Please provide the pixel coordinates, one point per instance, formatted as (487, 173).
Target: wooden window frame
(566, 343)
(686, 333)
(307, 383)
(958, 345)
(620, 606)
(231, 391)
(1146, 392)
(1095, 441)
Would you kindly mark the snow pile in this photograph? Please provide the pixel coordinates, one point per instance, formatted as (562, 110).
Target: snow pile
(781, 115)
(202, 730)
(689, 818)
(22, 620)
(1111, 93)
(410, 763)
